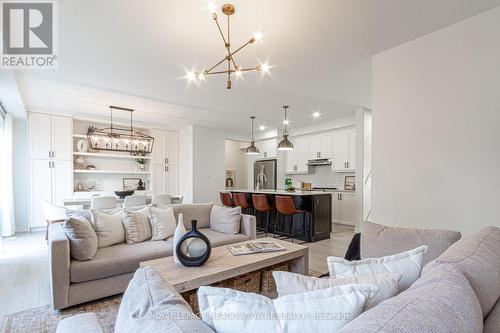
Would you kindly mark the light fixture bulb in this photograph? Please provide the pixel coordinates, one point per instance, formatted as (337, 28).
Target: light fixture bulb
(212, 8)
(201, 76)
(191, 76)
(316, 114)
(286, 122)
(238, 74)
(262, 127)
(258, 36)
(264, 68)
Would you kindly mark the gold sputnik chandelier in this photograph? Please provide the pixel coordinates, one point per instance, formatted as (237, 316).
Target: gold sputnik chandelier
(232, 66)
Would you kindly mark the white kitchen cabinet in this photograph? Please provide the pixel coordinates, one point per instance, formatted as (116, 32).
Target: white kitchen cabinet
(172, 148)
(267, 149)
(344, 151)
(320, 146)
(166, 147)
(344, 208)
(302, 146)
(291, 161)
(165, 179)
(50, 136)
(50, 181)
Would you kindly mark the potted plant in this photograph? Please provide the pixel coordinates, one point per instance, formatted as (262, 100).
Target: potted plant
(141, 164)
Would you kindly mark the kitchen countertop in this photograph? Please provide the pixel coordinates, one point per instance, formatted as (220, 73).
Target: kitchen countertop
(280, 192)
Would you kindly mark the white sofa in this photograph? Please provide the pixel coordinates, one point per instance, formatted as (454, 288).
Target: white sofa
(110, 270)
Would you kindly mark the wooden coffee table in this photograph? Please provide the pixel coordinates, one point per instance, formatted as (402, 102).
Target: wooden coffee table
(222, 265)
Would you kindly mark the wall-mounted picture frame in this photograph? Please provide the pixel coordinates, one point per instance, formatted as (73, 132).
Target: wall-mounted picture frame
(230, 179)
(131, 184)
(350, 183)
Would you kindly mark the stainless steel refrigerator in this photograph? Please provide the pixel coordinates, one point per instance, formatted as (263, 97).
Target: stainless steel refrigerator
(264, 174)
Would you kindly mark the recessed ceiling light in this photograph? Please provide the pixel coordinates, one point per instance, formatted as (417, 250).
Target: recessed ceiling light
(262, 127)
(316, 114)
(286, 122)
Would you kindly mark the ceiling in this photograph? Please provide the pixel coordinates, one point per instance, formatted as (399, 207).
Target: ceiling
(135, 53)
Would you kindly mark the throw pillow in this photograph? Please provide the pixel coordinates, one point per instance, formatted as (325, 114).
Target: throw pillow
(326, 310)
(290, 283)
(408, 264)
(137, 227)
(198, 212)
(225, 220)
(162, 222)
(82, 238)
(108, 227)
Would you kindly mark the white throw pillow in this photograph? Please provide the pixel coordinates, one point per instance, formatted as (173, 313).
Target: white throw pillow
(226, 220)
(137, 227)
(108, 227)
(162, 222)
(291, 283)
(326, 310)
(408, 264)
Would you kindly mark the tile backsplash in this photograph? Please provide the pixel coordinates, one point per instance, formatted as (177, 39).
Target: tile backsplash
(322, 176)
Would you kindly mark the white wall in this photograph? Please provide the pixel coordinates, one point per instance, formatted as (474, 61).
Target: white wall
(186, 163)
(20, 172)
(436, 128)
(236, 159)
(209, 162)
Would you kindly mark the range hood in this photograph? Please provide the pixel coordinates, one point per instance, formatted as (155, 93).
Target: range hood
(319, 161)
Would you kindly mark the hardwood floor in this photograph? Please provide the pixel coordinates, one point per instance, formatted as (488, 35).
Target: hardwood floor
(24, 267)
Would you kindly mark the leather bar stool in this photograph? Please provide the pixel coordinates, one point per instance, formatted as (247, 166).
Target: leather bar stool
(240, 199)
(262, 205)
(225, 198)
(286, 207)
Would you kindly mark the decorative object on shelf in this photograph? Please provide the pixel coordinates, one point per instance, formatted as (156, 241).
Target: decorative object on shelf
(90, 167)
(252, 149)
(123, 194)
(120, 139)
(232, 67)
(180, 231)
(131, 183)
(230, 177)
(198, 249)
(81, 163)
(141, 185)
(82, 146)
(141, 164)
(350, 183)
(285, 144)
(288, 183)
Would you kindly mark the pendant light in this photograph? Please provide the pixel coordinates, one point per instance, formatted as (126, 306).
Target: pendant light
(252, 149)
(285, 144)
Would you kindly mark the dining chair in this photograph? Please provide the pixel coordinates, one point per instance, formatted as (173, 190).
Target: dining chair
(52, 214)
(161, 199)
(103, 202)
(134, 201)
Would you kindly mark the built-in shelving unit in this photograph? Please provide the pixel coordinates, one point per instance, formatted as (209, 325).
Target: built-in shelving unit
(106, 155)
(123, 172)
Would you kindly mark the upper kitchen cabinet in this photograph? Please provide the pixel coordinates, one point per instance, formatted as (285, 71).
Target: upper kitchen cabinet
(320, 146)
(344, 151)
(296, 159)
(267, 149)
(166, 147)
(50, 137)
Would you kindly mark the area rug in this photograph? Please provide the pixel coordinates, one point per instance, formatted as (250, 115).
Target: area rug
(44, 319)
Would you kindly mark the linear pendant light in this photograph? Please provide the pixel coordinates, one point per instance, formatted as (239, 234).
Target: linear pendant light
(252, 149)
(285, 144)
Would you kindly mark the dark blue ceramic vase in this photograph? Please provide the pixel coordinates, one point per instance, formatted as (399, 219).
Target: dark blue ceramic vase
(194, 234)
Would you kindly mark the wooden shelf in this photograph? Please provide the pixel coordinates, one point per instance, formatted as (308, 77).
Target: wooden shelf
(106, 155)
(114, 172)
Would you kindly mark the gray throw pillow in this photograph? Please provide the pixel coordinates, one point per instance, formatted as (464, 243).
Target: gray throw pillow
(137, 228)
(198, 212)
(82, 238)
(108, 227)
(225, 220)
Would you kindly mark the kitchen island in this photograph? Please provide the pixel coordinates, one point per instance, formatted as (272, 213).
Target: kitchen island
(317, 204)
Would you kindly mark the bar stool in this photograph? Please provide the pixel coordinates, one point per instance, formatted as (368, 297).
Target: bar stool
(225, 198)
(286, 207)
(262, 206)
(240, 199)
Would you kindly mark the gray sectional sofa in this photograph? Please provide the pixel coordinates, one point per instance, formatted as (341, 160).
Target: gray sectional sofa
(111, 269)
(458, 291)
